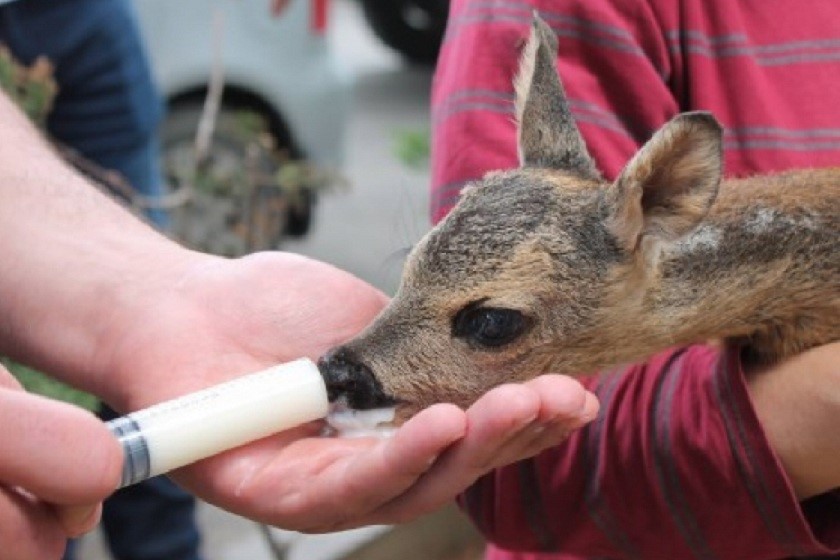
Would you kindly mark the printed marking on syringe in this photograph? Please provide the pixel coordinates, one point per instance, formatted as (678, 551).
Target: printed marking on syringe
(136, 459)
(228, 389)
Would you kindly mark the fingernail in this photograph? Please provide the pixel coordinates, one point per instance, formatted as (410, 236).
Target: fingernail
(530, 420)
(539, 428)
(78, 520)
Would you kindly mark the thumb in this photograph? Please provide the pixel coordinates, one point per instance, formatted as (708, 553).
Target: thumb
(7, 380)
(78, 520)
(60, 453)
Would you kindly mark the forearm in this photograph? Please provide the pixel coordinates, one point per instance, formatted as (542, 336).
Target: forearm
(798, 405)
(74, 261)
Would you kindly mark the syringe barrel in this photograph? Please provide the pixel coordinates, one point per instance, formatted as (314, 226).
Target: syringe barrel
(195, 426)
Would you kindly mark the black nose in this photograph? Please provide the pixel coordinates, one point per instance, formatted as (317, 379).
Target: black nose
(346, 376)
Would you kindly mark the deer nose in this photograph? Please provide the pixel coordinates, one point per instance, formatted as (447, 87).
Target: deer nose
(346, 376)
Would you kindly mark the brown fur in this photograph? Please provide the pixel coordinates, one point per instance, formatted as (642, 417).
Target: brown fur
(605, 274)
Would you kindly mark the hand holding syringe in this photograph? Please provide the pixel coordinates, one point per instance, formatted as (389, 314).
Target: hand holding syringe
(195, 426)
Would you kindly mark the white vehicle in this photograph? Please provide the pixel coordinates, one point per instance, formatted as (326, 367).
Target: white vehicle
(280, 67)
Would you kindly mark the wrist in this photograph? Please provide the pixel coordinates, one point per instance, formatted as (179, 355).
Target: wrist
(798, 403)
(74, 294)
(153, 308)
(76, 260)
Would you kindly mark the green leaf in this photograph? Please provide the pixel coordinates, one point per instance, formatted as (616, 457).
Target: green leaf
(36, 382)
(413, 148)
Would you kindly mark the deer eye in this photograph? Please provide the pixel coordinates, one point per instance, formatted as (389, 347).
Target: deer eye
(489, 327)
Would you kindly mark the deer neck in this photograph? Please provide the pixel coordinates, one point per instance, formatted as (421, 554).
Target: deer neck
(743, 269)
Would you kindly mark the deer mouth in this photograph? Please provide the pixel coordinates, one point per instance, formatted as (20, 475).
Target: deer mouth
(351, 382)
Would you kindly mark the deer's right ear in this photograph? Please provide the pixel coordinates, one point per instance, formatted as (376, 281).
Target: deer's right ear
(668, 187)
(548, 136)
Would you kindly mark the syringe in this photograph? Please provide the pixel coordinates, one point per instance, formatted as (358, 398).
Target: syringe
(195, 426)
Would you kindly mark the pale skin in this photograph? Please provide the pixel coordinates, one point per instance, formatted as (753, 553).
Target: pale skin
(798, 404)
(95, 297)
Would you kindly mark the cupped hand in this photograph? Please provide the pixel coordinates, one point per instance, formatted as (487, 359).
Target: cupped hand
(225, 318)
(57, 464)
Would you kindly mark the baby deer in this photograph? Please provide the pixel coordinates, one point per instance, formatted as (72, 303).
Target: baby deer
(550, 268)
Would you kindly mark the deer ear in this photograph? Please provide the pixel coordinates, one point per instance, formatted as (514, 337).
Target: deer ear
(670, 184)
(547, 135)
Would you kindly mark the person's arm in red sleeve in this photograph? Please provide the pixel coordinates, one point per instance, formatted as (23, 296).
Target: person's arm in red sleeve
(677, 465)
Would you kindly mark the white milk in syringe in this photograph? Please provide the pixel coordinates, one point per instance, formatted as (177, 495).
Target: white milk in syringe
(181, 431)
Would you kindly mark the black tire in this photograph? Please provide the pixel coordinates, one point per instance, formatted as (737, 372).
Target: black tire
(414, 28)
(299, 217)
(178, 131)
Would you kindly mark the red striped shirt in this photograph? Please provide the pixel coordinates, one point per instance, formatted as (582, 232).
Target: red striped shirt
(677, 465)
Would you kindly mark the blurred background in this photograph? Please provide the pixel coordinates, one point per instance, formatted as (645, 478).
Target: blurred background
(316, 142)
(320, 140)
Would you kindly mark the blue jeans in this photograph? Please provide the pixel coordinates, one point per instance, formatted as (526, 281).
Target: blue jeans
(109, 110)
(107, 106)
(153, 520)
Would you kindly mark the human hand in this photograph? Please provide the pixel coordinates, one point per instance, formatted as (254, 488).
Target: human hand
(57, 464)
(798, 403)
(226, 318)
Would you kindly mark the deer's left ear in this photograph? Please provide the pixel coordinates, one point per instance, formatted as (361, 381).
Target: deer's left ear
(547, 134)
(670, 184)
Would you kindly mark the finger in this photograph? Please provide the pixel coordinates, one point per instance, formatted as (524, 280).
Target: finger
(565, 407)
(8, 380)
(28, 529)
(562, 399)
(317, 485)
(558, 430)
(78, 520)
(57, 451)
(502, 430)
(495, 419)
(542, 436)
(397, 463)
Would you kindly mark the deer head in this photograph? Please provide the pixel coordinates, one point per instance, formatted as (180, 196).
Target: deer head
(531, 271)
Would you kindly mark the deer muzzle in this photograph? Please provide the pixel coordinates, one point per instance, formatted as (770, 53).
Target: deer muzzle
(349, 379)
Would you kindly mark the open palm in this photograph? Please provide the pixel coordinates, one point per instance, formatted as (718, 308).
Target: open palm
(230, 317)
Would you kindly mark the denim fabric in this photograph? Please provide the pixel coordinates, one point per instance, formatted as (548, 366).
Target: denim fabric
(107, 107)
(152, 520)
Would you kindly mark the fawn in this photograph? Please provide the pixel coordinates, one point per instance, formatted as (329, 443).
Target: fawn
(550, 268)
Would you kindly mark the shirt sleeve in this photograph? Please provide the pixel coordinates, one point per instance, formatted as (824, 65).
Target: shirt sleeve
(675, 466)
